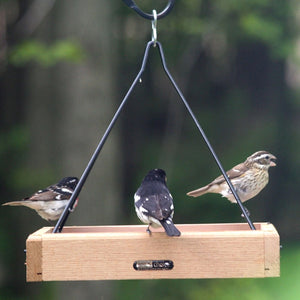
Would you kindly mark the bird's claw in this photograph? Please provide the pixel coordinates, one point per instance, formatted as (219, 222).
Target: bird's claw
(148, 230)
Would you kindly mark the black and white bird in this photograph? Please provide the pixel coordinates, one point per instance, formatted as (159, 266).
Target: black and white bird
(50, 202)
(154, 203)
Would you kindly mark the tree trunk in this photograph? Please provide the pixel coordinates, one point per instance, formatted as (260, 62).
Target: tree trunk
(69, 109)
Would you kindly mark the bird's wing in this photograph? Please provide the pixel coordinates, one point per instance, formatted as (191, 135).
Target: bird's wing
(236, 171)
(49, 195)
(166, 204)
(158, 206)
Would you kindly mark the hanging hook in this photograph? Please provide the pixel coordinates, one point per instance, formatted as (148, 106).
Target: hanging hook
(131, 4)
(154, 25)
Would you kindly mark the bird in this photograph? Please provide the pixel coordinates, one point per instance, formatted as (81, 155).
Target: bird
(50, 202)
(154, 203)
(248, 178)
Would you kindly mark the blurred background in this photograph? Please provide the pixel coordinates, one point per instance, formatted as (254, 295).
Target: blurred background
(65, 67)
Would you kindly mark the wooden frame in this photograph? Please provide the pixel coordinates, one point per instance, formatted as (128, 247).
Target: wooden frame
(109, 252)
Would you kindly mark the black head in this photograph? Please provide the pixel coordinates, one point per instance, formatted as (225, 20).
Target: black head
(69, 182)
(156, 175)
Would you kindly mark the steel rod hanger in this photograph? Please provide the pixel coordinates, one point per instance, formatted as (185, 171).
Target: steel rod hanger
(239, 202)
(64, 216)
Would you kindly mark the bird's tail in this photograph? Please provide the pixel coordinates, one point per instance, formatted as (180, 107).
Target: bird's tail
(170, 228)
(14, 203)
(198, 192)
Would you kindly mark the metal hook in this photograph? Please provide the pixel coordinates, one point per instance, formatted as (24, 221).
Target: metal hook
(154, 31)
(131, 4)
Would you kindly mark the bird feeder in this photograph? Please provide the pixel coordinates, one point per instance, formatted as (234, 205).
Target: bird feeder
(128, 252)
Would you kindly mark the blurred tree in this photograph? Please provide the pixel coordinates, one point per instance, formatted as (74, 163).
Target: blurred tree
(230, 60)
(64, 110)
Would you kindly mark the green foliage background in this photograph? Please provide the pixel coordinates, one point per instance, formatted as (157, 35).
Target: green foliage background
(231, 60)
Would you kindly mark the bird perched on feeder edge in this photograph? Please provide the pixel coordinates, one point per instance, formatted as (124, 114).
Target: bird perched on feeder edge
(50, 202)
(154, 203)
(248, 178)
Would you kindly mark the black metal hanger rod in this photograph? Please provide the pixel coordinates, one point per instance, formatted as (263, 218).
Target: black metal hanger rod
(239, 202)
(64, 216)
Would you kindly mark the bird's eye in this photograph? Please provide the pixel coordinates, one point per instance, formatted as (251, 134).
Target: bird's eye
(267, 157)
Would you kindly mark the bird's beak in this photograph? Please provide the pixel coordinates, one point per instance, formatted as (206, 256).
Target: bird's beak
(273, 164)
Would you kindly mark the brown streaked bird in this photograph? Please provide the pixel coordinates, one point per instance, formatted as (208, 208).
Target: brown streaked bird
(248, 178)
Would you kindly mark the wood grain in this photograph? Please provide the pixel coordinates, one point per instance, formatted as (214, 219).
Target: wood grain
(108, 252)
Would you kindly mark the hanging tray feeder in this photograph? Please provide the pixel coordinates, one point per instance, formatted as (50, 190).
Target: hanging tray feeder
(128, 252)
